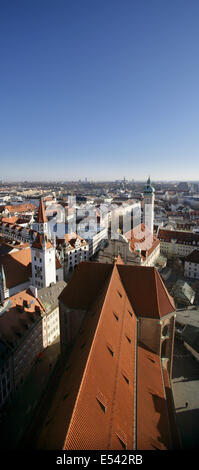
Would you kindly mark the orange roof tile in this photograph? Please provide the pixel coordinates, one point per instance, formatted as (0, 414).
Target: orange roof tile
(13, 323)
(152, 421)
(20, 208)
(17, 266)
(39, 240)
(102, 350)
(94, 407)
(141, 238)
(41, 218)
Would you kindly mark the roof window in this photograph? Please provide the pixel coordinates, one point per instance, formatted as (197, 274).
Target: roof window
(110, 349)
(116, 316)
(125, 377)
(128, 339)
(65, 396)
(102, 402)
(122, 439)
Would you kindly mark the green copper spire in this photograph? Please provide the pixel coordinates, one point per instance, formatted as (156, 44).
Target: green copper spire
(148, 188)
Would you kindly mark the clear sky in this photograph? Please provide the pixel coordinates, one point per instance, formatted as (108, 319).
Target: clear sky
(99, 88)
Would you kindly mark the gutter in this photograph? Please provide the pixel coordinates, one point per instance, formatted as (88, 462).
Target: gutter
(136, 385)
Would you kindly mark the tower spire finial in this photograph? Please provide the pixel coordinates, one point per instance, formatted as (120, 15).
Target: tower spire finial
(41, 219)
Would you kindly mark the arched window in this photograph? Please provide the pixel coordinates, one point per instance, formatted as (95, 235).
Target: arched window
(165, 330)
(164, 352)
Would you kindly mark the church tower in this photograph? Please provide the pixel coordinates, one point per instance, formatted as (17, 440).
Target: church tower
(149, 197)
(43, 254)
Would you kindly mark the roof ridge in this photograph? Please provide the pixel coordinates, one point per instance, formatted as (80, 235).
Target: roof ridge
(123, 285)
(164, 289)
(41, 213)
(157, 290)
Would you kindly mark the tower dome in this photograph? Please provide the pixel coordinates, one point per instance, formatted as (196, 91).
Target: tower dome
(148, 188)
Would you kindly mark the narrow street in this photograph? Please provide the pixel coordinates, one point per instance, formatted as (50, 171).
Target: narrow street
(185, 386)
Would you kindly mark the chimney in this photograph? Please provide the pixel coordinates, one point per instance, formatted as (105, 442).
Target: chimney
(33, 289)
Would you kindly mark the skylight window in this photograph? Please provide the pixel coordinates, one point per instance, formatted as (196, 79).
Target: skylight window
(125, 377)
(122, 441)
(128, 339)
(116, 316)
(101, 400)
(65, 396)
(110, 349)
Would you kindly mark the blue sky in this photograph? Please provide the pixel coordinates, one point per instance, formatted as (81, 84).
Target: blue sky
(99, 88)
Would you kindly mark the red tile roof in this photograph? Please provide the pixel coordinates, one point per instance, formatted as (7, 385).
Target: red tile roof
(94, 407)
(14, 322)
(89, 278)
(17, 266)
(21, 208)
(39, 240)
(41, 218)
(10, 220)
(152, 420)
(178, 236)
(141, 238)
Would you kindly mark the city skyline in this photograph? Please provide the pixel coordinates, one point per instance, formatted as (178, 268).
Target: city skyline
(99, 90)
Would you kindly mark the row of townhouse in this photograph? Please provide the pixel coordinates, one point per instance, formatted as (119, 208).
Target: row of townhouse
(177, 243)
(29, 323)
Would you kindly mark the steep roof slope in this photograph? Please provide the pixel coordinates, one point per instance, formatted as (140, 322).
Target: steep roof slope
(95, 404)
(17, 266)
(87, 281)
(146, 291)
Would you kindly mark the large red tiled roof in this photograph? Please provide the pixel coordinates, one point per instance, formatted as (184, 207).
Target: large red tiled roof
(100, 365)
(146, 291)
(94, 407)
(89, 278)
